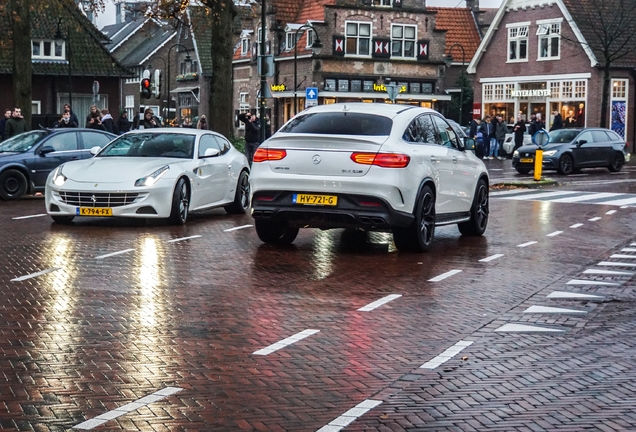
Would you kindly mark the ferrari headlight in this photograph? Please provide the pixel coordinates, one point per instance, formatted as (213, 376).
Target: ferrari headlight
(58, 177)
(152, 178)
(515, 154)
(549, 153)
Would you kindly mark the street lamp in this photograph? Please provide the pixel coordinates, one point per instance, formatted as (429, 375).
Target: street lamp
(316, 47)
(448, 59)
(188, 59)
(67, 46)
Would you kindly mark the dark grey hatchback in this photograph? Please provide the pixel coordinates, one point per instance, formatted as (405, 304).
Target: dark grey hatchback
(569, 150)
(27, 159)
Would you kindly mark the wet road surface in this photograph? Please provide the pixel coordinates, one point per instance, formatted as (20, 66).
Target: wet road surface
(127, 325)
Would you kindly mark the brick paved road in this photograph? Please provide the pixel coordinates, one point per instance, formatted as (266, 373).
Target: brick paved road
(124, 313)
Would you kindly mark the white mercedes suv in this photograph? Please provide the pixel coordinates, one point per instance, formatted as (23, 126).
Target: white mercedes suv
(376, 167)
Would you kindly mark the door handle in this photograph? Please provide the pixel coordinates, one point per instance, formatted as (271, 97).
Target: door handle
(74, 158)
(454, 159)
(229, 167)
(434, 159)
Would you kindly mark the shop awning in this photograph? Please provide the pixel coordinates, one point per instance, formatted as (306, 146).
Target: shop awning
(193, 90)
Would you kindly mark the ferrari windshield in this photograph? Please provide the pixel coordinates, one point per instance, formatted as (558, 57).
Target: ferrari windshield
(340, 123)
(168, 145)
(23, 142)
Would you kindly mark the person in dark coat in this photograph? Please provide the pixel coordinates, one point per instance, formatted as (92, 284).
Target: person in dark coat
(74, 118)
(94, 121)
(123, 124)
(539, 123)
(558, 122)
(500, 136)
(570, 120)
(519, 129)
(3, 122)
(16, 124)
(108, 122)
(148, 122)
(252, 134)
(532, 127)
(486, 131)
(65, 121)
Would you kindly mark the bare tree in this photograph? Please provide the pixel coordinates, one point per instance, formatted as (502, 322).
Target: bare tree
(609, 29)
(20, 19)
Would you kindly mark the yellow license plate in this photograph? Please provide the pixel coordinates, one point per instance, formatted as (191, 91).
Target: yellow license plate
(94, 211)
(526, 160)
(317, 200)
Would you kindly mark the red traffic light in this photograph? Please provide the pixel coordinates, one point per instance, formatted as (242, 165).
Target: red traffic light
(145, 88)
(145, 83)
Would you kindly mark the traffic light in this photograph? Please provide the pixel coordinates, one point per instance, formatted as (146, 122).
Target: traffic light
(145, 88)
(156, 84)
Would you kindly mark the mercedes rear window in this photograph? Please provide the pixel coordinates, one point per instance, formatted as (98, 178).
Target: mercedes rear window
(339, 123)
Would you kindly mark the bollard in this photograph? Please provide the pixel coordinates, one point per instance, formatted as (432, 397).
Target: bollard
(538, 164)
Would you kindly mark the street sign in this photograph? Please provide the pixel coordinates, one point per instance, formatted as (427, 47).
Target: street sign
(540, 138)
(392, 90)
(311, 97)
(95, 91)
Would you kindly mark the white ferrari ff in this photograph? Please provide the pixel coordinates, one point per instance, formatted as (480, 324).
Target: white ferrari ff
(374, 167)
(152, 173)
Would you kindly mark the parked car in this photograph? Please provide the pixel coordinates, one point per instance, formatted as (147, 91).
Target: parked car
(509, 143)
(374, 167)
(569, 150)
(152, 173)
(27, 159)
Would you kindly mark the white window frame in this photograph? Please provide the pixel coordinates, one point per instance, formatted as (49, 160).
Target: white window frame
(244, 106)
(623, 97)
(517, 33)
(310, 38)
(245, 46)
(358, 38)
(36, 107)
(130, 105)
(290, 43)
(550, 32)
(259, 35)
(382, 3)
(403, 40)
(52, 56)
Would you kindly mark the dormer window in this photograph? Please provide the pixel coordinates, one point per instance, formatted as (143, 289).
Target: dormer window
(289, 40)
(310, 38)
(245, 46)
(48, 49)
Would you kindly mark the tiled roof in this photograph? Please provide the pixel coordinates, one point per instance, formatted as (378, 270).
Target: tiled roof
(147, 46)
(312, 10)
(126, 28)
(460, 28)
(88, 55)
(202, 32)
(287, 10)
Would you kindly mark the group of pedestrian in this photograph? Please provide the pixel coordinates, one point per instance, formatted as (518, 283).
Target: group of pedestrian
(12, 123)
(253, 133)
(489, 134)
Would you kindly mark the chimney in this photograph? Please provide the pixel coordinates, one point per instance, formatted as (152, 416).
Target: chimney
(473, 5)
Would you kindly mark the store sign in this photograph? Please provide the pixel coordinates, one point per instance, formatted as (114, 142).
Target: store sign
(531, 93)
(278, 87)
(382, 88)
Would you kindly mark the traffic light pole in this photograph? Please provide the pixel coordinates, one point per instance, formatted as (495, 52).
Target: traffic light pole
(263, 72)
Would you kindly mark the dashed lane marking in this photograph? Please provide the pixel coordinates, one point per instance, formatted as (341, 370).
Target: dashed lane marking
(608, 272)
(623, 256)
(285, 342)
(576, 225)
(615, 264)
(526, 244)
(444, 275)
(29, 217)
(524, 328)
(350, 416)
(611, 212)
(628, 250)
(183, 238)
(590, 282)
(33, 275)
(237, 228)
(594, 219)
(491, 258)
(129, 407)
(549, 310)
(446, 355)
(376, 304)
(573, 296)
(554, 234)
(114, 253)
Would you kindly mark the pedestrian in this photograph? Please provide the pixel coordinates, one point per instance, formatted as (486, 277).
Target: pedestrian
(92, 115)
(570, 120)
(477, 135)
(123, 124)
(74, 118)
(65, 121)
(252, 134)
(108, 122)
(532, 127)
(268, 128)
(493, 135)
(148, 122)
(16, 124)
(3, 122)
(94, 120)
(558, 121)
(519, 129)
(500, 136)
(486, 130)
(202, 123)
(540, 125)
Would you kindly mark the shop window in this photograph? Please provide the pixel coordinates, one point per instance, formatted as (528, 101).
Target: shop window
(549, 41)
(488, 92)
(518, 43)
(403, 40)
(619, 89)
(566, 89)
(555, 90)
(358, 38)
(509, 89)
(343, 85)
(356, 85)
(499, 91)
(368, 86)
(415, 88)
(580, 89)
(330, 84)
(427, 88)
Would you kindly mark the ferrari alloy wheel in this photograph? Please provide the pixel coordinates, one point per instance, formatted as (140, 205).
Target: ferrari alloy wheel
(180, 204)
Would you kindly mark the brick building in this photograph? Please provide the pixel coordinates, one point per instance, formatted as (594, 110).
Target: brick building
(366, 43)
(541, 57)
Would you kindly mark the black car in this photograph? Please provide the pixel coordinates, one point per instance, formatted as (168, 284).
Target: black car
(569, 150)
(27, 159)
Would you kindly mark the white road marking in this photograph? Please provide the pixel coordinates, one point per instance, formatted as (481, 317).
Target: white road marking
(350, 416)
(114, 253)
(285, 342)
(510, 192)
(491, 258)
(576, 225)
(33, 275)
(444, 275)
(540, 195)
(611, 212)
(608, 272)
(526, 244)
(237, 228)
(523, 328)
(623, 256)
(376, 304)
(546, 309)
(28, 217)
(446, 355)
(182, 239)
(573, 296)
(588, 197)
(125, 409)
(594, 219)
(590, 282)
(554, 234)
(632, 244)
(616, 264)
(621, 202)
(628, 250)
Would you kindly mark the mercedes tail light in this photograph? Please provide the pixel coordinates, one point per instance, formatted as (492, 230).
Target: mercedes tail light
(267, 154)
(384, 160)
